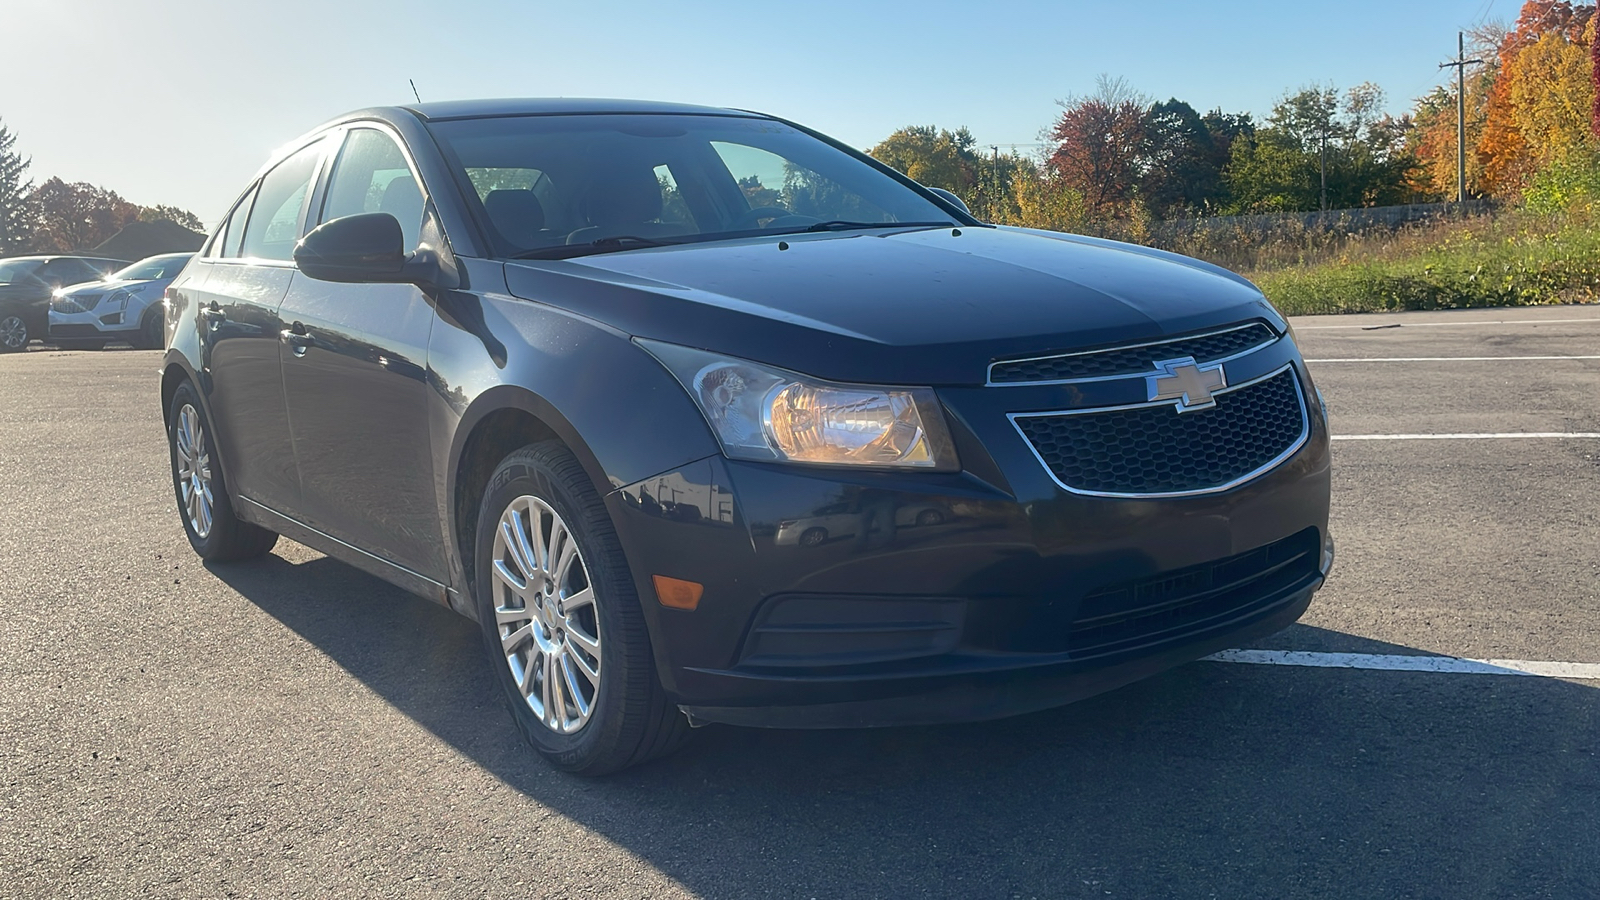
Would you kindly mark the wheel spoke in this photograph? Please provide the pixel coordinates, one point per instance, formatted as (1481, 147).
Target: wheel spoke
(579, 600)
(517, 637)
(511, 536)
(533, 538)
(554, 548)
(569, 552)
(589, 644)
(590, 670)
(581, 704)
(508, 577)
(549, 693)
(529, 679)
(509, 615)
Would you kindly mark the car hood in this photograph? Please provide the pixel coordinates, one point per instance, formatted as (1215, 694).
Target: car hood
(926, 306)
(103, 287)
(23, 291)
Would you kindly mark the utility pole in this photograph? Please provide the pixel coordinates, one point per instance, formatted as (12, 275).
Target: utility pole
(1460, 63)
(994, 178)
(1325, 167)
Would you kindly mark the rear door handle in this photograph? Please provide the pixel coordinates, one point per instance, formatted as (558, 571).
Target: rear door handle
(297, 339)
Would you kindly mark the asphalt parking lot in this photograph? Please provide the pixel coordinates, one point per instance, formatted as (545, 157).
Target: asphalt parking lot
(294, 727)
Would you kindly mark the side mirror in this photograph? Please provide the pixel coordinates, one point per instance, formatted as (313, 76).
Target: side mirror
(368, 247)
(951, 199)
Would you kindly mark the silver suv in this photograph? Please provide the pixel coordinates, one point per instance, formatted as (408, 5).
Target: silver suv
(125, 306)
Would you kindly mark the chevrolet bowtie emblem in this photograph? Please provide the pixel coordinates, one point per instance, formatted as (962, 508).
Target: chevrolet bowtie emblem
(1186, 382)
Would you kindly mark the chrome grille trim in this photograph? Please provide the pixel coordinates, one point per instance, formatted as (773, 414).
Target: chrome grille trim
(989, 381)
(1305, 435)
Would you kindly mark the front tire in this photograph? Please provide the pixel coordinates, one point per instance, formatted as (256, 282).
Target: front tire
(215, 533)
(152, 331)
(561, 619)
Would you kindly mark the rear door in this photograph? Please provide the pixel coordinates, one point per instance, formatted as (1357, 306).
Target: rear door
(237, 309)
(355, 377)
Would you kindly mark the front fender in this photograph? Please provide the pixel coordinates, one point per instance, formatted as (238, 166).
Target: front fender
(622, 414)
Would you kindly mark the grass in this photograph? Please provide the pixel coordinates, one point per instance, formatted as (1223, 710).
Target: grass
(1511, 258)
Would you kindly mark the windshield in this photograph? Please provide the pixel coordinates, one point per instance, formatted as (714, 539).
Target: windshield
(15, 270)
(151, 269)
(555, 186)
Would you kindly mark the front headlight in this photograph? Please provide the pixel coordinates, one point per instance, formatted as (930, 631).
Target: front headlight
(117, 298)
(763, 413)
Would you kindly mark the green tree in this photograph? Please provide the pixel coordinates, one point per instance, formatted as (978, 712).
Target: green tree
(16, 213)
(932, 156)
(1183, 160)
(171, 214)
(1312, 132)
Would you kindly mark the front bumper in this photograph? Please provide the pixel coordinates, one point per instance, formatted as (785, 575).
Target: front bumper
(89, 325)
(935, 598)
(994, 689)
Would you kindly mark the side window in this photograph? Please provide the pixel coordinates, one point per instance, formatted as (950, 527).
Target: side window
(63, 272)
(371, 176)
(233, 231)
(274, 223)
(673, 209)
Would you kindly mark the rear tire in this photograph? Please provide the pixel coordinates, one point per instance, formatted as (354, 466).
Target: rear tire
(14, 335)
(536, 616)
(215, 533)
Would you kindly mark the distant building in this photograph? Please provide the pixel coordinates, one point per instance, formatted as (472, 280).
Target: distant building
(138, 240)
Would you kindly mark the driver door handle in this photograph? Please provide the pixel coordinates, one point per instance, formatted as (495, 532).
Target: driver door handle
(297, 338)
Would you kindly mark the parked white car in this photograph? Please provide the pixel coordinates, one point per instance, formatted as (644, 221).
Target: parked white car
(126, 306)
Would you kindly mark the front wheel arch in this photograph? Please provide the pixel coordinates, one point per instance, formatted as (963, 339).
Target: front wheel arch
(502, 421)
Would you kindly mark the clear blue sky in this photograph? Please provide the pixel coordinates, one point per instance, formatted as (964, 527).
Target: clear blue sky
(179, 101)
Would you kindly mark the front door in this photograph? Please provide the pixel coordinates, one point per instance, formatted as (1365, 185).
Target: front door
(354, 376)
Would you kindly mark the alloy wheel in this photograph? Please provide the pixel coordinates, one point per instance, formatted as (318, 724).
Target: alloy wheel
(546, 614)
(13, 333)
(194, 470)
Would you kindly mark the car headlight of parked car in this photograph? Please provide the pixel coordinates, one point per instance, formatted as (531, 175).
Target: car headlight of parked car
(763, 413)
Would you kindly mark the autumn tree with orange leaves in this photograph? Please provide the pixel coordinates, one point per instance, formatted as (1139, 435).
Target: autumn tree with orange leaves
(1540, 107)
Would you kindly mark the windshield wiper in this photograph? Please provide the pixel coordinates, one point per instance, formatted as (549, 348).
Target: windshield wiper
(843, 225)
(602, 245)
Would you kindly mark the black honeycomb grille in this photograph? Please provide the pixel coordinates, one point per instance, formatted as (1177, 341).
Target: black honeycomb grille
(1130, 360)
(1158, 450)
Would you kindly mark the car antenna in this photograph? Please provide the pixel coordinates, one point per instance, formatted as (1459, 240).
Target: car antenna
(414, 90)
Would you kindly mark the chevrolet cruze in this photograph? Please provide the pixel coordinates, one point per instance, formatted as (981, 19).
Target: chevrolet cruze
(704, 417)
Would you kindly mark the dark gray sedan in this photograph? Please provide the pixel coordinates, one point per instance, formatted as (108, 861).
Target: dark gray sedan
(705, 417)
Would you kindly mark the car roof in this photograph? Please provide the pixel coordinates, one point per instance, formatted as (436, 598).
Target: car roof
(46, 257)
(552, 106)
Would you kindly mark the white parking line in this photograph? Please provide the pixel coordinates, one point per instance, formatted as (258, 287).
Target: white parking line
(1450, 665)
(1591, 321)
(1587, 435)
(1358, 359)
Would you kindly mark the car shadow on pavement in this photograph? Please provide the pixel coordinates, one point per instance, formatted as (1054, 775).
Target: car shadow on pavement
(1211, 780)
